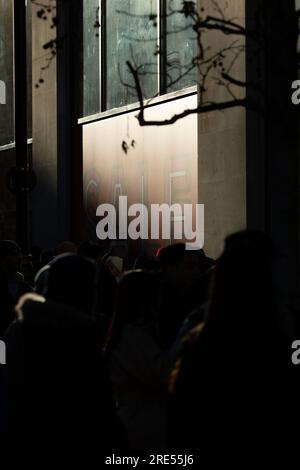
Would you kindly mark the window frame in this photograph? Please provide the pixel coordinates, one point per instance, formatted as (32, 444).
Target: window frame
(171, 96)
(12, 145)
(162, 94)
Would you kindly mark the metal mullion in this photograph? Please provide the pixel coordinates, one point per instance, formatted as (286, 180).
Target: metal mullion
(103, 56)
(162, 46)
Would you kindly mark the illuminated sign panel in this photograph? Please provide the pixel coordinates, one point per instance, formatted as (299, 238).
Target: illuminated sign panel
(149, 165)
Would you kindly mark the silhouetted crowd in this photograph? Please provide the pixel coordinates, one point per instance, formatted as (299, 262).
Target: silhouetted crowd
(178, 351)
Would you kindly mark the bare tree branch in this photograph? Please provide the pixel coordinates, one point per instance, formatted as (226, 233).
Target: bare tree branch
(200, 109)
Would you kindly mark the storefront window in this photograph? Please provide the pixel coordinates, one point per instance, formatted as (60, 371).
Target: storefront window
(7, 72)
(7, 134)
(155, 36)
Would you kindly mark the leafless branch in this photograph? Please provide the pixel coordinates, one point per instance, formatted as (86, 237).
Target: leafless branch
(200, 109)
(218, 9)
(213, 67)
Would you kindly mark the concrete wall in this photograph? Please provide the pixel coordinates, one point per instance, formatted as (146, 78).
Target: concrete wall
(222, 149)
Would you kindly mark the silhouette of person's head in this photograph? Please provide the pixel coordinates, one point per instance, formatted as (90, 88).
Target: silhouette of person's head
(176, 258)
(147, 263)
(171, 256)
(91, 250)
(10, 258)
(243, 281)
(65, 247)
(41, 280)
(71, 280)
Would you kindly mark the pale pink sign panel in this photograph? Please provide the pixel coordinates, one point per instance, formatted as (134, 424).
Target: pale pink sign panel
(159, 164)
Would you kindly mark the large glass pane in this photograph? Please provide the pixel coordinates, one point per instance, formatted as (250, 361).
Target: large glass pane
(181, 41)
(6, 72)
(131, 36)
(297, 5)
(91, 57)
(29, 68)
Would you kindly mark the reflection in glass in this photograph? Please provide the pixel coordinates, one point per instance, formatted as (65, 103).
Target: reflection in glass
(6, 71)
(181, 41)
(91, 57)
(131, 35)
(29, 68)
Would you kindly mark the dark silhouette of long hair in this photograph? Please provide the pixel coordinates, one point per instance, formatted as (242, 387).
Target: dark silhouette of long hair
(136, 302)
(242, 293)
